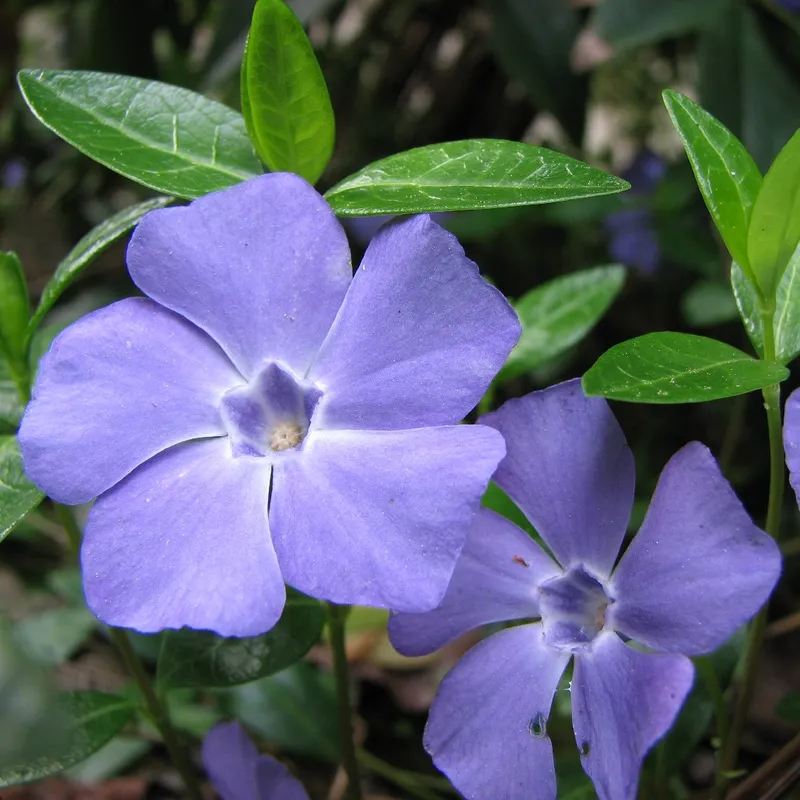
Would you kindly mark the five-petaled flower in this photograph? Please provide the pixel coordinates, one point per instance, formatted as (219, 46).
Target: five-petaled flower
(238, 772)
(696, 571)
(265, 416)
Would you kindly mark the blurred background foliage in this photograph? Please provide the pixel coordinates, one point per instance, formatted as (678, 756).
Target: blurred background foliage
(580, 76)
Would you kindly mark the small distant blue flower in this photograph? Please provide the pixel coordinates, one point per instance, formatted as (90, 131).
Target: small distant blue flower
(263, 416)
(13, 174)
(632, 231)
(238, 772)
(696, 571)
(789, 5)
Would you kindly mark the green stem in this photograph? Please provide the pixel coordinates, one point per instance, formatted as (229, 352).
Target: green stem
(21, 375)
(409, 781)
(157, 711)
(70, 525)
(155, 708)
(755, 637)
(337, 616)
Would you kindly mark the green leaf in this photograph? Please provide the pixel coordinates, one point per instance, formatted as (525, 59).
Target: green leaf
(677, 368)
(727, 176)
(15, 308)
(201, 659)
(708, 303)
(295, 709)
(774, 230)
(626, 24)
(87, 249)
(786, 322)
(170, 139)
(560, 313)
(53, 636)
(747, 301)
(94, 718)
(533, 40)
(286, 102)
(11, 407)
(18, 495)
(787, 313)
(468, 175)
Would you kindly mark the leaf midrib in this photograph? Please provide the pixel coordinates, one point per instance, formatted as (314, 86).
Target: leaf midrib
(194, 161)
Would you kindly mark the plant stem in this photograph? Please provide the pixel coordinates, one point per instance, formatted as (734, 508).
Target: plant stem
(336, 619)
(405, 780)
(156, 710)
(755, 638)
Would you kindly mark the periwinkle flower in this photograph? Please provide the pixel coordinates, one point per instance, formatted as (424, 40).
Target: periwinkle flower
(697, 569)
(632, 231)
(264, 416)
(238, 772)
(791, 439)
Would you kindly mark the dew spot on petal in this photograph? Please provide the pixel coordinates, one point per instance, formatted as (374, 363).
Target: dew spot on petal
(537, 727)
(585, 749)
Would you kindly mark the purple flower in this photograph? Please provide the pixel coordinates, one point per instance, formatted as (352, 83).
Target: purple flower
(262, 416)
(238, 772)
(789, 5)
(696, 571)
(791, 439)
(632, 231)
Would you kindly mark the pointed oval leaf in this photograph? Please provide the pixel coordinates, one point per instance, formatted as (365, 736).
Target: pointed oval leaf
(286, 101)
(93, 719)
(775, 223)
(87, 249)
(295, 709)
(728, 177)
(201, 659)
(747, 301)
(11, 406)
(677, 368)
(559, 314)
(787, 314)
(15, 306)
(786, 322)
(18, 495)
(170, 139)
(468, 175)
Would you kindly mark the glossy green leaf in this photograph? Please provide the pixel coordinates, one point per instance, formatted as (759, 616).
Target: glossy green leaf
(286, 102)
(87, 249)
(170, 139)
(201, 659)
(677, 368)
(787, 313)
(53, 636)
(11, 407)
(15, 306)
(626, 24)
(727, 176)
(18, 495)
(468, 175)
(786, 322)
(747, 301)
(94, 718)
(295, 709)
(560, 313)
(774, 230)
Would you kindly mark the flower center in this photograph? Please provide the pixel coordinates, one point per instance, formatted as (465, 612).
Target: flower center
(573, 608)
(269, 415)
